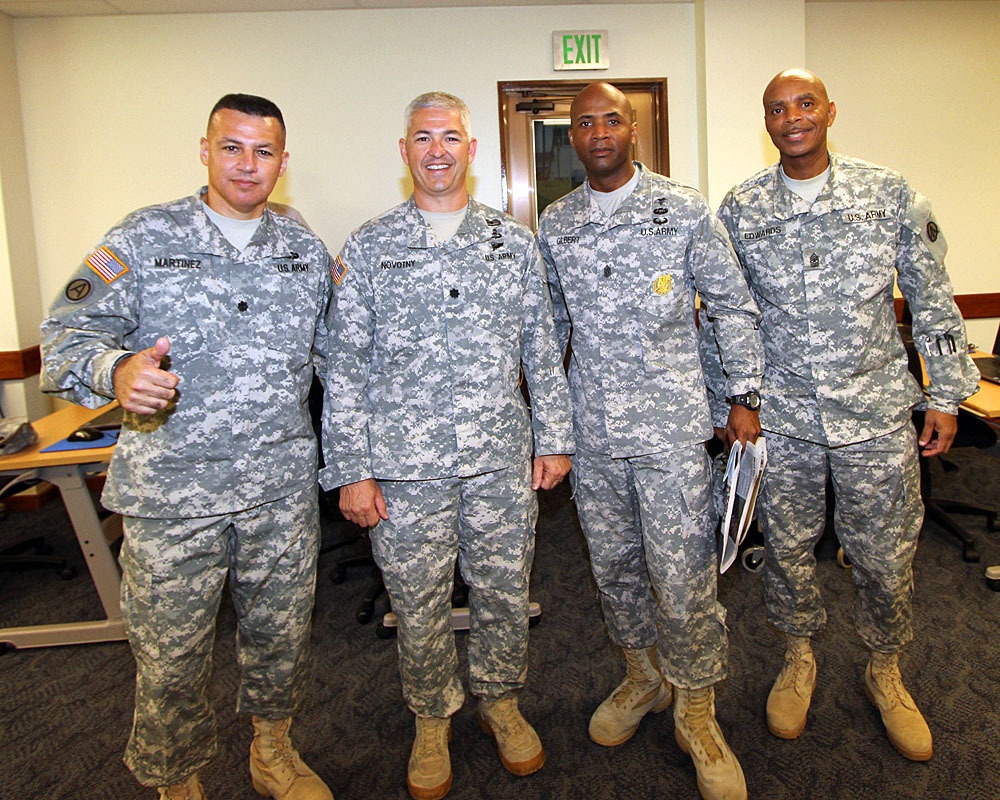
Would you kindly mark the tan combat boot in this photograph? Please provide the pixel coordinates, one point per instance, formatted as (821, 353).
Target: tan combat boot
(188, 789)
(643, 690)
(428, 775)
(276, 768)
(720, 776)
(903, 721)
(520, 748)
(788, 702)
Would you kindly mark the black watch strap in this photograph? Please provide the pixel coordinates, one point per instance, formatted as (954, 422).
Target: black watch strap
(749, 400)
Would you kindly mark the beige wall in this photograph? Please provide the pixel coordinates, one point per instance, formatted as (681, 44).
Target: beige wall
(733, 70)
(20, 300)
(915, 87)
(113, 106)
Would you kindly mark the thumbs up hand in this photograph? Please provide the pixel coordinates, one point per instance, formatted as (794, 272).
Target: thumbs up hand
(140, 385)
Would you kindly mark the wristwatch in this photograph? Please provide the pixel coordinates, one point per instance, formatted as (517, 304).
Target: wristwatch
(749, 400)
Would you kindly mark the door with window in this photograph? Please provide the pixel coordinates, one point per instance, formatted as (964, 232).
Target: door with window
(538, 162)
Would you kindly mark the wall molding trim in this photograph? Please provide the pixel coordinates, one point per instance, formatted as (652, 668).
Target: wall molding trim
(16, 365)
(972, 306)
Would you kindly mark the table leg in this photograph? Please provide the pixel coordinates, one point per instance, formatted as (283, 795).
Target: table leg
(90, 533)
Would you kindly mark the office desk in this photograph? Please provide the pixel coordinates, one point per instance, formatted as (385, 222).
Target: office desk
(985, 402)
(68, 470)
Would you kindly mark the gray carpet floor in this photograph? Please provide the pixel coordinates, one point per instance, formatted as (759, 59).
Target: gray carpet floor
(65, 712)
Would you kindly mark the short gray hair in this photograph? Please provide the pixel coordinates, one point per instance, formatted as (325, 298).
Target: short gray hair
(438, 100)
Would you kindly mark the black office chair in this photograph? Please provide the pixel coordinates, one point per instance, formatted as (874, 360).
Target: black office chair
(354, 548)
(357, 552)
(374, 601)
(29, 552)
(337, 535)
(972, 432)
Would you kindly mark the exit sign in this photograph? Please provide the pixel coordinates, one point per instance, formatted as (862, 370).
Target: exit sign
(580, 50)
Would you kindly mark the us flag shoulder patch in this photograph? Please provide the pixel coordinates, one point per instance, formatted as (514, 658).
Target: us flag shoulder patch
(106, 264)
(338, 269)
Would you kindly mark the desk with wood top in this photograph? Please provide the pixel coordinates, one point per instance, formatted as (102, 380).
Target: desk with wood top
(985, 402)
(68, 470)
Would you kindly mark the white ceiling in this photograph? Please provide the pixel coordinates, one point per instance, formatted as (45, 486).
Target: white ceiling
(93, 8)
(89, 8)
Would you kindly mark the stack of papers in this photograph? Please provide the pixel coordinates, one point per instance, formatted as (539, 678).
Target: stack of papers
(743, 474)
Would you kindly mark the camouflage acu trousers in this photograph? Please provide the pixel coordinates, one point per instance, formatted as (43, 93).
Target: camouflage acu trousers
(650, 526)
(877, 518)
(174, 571)
(487, 522)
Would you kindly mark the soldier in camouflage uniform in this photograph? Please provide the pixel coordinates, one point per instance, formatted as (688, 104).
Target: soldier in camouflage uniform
(205, 319)
(821, 238)
(438, 304)
(626, 253)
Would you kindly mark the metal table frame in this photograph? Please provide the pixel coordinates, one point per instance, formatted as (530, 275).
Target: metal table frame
(68, 471)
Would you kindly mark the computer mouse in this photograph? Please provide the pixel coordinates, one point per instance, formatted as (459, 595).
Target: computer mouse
(85, 435)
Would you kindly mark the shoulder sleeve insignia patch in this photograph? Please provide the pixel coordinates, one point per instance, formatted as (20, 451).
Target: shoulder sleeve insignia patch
(106, 264)
(77, 290)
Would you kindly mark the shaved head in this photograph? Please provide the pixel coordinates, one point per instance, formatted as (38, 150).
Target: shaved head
(803, 75)
(605, 91)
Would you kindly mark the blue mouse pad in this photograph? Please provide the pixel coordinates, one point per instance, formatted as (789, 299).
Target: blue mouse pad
(107, 439)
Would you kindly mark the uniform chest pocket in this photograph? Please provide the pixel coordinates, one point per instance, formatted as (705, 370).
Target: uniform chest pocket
(181, 303)
(665, 317)
(407, 306)
(493, 298)
(868, 284)
(867, 253)
(774, 271)
(281, 315)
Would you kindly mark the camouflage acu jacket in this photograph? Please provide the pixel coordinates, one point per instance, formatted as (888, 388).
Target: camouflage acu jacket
(822, 274)
(246, 332)
(429, 340)
(625, 286)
